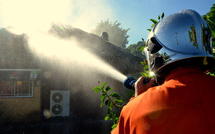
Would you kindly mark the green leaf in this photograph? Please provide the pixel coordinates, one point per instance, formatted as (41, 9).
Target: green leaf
(116, 119)
(111, 100)
(111, 106)
(107, 102)
(154, 21)
(152, 26)
(97, 89)
(162, 15)
(141, 48)
(102, 98)
(114, 94)
(108, 88)
(211, 73)
(107, 117)
(159, 17)
(119, 100)
(103, 85)
(114, 125)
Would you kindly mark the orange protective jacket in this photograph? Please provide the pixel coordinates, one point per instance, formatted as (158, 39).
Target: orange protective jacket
(183, 104)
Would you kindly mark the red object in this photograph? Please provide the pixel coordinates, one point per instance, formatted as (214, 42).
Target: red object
(183, 104)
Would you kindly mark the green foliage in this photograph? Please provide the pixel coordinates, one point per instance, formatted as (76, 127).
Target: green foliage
(145, 72)
(117, 34)
(211, 73)
(154, 21)
(210, 18)
(111, 100)
(136, 49)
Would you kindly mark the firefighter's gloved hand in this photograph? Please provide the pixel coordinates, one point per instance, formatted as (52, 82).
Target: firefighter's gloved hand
(142, 84)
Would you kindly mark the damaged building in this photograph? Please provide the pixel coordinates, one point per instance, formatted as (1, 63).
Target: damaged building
(52, 99)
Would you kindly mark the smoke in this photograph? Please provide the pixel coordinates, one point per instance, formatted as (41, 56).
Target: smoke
(35, 18)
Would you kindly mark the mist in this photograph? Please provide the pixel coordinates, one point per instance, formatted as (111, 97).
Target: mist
(35, 18)
(65, 63)
(69, 53)
(24, 16)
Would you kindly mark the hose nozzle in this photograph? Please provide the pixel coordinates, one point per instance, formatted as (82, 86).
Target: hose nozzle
(129, 83)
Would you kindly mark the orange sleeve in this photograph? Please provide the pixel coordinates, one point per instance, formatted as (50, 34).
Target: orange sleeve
(120, 126)
(132, 118)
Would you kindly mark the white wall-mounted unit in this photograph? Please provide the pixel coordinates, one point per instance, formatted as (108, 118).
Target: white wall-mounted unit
(60, 103)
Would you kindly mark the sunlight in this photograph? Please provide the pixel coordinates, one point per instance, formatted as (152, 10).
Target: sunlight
(33, 15)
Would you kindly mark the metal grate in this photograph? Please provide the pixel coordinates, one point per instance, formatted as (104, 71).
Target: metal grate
(16, 88)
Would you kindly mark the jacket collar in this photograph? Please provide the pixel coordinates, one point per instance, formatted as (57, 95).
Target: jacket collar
(183, 71)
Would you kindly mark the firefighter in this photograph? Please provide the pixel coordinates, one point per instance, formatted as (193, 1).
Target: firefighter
(179, 52)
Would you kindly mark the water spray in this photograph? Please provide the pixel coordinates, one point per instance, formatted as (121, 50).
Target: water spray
(65, 52)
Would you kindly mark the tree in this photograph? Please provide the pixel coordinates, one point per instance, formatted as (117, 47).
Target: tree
(136, 49)
(210, 18)
(117, 35)
(154, 21)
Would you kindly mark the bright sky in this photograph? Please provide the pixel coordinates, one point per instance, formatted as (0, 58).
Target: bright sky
(135, 14)
(30, 16)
